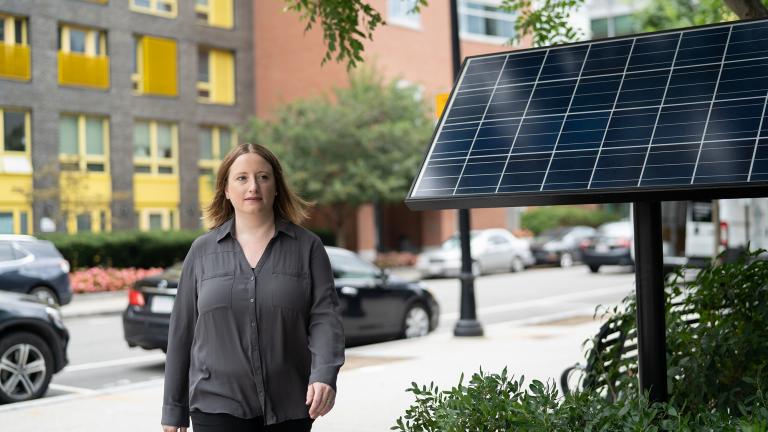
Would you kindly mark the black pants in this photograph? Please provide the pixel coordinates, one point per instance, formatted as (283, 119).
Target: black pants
(205, 422)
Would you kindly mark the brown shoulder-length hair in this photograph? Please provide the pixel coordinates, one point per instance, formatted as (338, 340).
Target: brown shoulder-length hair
(287, 204)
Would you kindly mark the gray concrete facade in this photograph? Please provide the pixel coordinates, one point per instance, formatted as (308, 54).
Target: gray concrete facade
(46, 99)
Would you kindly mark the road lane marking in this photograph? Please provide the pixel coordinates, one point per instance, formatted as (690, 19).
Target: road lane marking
(116, 362)
(70, 389)
(545, 301)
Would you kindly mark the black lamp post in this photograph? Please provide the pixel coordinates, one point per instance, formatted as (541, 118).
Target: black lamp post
(468, 325)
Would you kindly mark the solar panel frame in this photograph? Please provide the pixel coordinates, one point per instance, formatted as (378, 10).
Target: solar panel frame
(686, 95)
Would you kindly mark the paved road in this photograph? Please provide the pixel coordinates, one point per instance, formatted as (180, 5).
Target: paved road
(100, 358)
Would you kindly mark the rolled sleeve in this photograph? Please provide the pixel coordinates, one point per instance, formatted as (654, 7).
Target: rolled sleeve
(326, 333)
(180, 337)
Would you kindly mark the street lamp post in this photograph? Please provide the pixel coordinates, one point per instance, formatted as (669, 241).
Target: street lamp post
(468, 325)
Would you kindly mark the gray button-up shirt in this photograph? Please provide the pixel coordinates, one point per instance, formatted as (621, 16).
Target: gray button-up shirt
(247, 341)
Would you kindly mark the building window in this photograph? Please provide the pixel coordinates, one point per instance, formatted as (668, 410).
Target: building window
(618, 25)
(164, 8)
(484, 20)
(84, 222)
(14, 126)
(155, 147)
(83, 143)
(214, 13)
(83, 59)
(401, 13)
(215, 76)
(15, 58)
(157, 219)
(86, 41)
(6, 223)
(24, 223)
(154, 66)
(13, 30)
(215, 142)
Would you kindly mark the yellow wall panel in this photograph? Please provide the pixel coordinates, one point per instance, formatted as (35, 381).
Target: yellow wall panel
(222, 77)
(155, 191)
(15, 189)
(221, 13)
(160, 68)
(85, 190)
(206, 190)
(15, 62)
(86, 71)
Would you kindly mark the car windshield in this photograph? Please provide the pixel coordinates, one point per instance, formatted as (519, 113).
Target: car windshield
(454, 243)
(620, 229)
(555, 233)
(41, 249)
(347, 265)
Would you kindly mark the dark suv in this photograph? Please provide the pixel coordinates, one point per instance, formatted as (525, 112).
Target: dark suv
(33, 346)
(32, 266)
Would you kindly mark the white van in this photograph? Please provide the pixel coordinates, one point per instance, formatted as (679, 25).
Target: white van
(742, 221)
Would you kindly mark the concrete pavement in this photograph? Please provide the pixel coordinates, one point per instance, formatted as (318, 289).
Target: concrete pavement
(371, 385)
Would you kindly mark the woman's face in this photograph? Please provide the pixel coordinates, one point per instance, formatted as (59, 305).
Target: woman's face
(251, 185)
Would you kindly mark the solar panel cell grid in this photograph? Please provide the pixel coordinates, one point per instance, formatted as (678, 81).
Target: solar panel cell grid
(678, 109)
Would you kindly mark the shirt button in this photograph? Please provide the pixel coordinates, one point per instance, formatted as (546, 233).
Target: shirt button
(251, 300)
(252, 278)
(253, 324)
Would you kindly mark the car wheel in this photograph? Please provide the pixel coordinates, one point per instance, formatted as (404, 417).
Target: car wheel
(26, 367)
(566, 260)
(517, 265)
(594, 268)
(45, 294)
(416, 322)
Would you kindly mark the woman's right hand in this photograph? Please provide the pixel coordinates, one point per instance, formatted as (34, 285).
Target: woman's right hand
(173, 429)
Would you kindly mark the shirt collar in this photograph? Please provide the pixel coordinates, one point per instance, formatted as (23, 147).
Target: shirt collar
(228, 227)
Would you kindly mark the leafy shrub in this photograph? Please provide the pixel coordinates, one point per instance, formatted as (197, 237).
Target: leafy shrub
(543, 218)
(707, 362)
(500, 403)
(716, 372)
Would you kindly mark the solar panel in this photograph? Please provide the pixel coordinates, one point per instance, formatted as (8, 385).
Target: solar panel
(672, 115)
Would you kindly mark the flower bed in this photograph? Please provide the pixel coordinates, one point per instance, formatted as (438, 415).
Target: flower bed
(98, 279)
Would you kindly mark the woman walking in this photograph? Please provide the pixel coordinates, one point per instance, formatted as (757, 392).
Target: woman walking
(255, 340)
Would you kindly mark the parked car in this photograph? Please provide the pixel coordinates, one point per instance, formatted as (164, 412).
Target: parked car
(493, 250)
(611, 245)
(560, 246)
(32, 266)
(33, 346)
(374, 304)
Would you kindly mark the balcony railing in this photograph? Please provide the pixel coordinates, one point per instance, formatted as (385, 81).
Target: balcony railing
(15, 62)
(83, 71)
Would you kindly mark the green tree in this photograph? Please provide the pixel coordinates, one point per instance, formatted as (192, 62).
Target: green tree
(669, 14)
(346, 24)
(362, 145)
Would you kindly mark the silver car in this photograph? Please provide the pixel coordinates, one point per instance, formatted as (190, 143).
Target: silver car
(493, 250)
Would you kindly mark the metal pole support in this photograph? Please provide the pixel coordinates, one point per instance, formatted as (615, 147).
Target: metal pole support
(649, 277)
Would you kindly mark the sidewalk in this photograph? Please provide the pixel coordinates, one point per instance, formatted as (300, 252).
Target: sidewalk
(371, 385)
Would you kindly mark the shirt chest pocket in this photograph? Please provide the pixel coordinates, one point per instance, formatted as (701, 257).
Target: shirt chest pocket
(290, 290)
(215, 292)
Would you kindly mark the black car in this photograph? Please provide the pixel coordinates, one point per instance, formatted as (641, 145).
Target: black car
(375, 305)
(32, 266)
(612, 245)
(560, 246)
(33, 346)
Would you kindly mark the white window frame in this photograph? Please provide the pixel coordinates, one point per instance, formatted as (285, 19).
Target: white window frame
(397, 14)
(484, 38)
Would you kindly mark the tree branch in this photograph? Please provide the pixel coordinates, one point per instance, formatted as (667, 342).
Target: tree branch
(747, 9)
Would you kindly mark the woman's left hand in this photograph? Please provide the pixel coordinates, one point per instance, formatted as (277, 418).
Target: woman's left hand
(320, 399)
